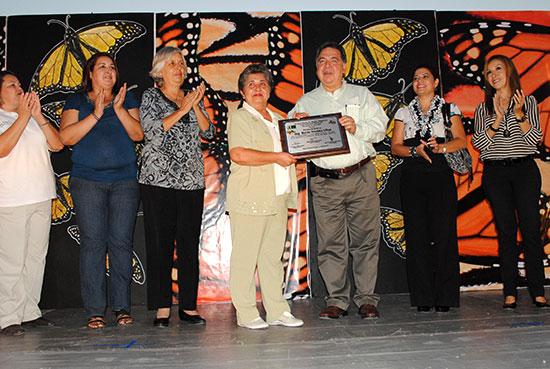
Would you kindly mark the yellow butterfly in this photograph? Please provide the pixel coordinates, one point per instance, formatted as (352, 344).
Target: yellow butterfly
(384, 163)
(61, 68)
(372, 51)
(62, 205)
(393, 228)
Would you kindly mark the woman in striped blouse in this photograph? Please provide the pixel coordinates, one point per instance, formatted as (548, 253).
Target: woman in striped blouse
(507, 130)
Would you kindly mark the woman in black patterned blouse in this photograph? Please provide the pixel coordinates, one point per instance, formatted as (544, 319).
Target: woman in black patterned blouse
(507, 130)
(172, 185)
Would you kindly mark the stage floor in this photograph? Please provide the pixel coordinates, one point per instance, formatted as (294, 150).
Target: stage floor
(480, 334)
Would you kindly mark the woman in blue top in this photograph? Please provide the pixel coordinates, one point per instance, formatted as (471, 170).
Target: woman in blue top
(102, 128)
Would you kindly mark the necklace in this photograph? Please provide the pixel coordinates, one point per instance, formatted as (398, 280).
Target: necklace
(424, 123)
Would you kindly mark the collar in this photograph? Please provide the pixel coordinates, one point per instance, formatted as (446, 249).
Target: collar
(257, 114)
(337, 93)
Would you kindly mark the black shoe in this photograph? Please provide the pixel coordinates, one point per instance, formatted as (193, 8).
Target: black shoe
(161, 322)
(39, 322)
(442, 308)
(191, 319)
(13, 330)
(541, 305)
(423, 308)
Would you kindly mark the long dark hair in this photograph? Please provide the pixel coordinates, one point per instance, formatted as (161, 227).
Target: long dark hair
(89, 67)
(512, 77)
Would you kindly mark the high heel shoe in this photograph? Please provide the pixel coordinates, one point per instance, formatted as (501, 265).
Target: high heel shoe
(540, 305)
(442, 308)
(423, 308)
(161, 322)
(191, 319)
(509, 305)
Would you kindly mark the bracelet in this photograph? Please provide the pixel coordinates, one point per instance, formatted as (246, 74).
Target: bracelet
(44, 124)
(412, 151)
(95, 116)
(492, 128)
(522, 119)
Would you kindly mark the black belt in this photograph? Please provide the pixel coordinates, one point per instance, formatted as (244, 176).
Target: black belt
(507, 162)
(335, 173)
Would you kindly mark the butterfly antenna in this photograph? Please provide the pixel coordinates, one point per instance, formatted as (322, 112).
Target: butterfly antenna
(65, 25)
(132, 87)
(403, 87)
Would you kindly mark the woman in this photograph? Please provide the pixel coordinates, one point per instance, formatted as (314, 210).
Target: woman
(260, 190)
(172, 185)
(27, 186)
(428, 194)
(507, 130)
(102, 126)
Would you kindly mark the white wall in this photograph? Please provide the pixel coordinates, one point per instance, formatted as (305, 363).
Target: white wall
(14, 7)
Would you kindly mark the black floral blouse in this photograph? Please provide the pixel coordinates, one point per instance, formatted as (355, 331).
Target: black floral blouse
(173, 158)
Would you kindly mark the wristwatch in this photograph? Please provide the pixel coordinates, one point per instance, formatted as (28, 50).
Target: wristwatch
(522, 119)
(444, 149)
(412, 151)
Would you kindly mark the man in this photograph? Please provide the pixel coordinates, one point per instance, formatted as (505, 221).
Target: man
(345, 196)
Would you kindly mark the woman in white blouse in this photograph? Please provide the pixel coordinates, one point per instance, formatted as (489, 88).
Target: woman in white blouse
(507, 130)
(27, 187)
(428, 194)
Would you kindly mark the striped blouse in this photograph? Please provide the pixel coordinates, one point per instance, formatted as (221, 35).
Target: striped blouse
(518, 144)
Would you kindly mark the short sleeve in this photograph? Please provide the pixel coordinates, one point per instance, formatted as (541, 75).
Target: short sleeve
(455, 110)
(400, 115)
(130, 102)
(72, 102)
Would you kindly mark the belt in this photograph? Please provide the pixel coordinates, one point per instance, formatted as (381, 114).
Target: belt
(335, 173)
(507, 162)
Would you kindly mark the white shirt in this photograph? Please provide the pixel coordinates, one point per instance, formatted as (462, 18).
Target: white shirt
(282, 176)
(357, 102)
(26, 173)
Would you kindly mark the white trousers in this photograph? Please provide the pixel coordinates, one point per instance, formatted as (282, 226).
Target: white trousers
(24, 236)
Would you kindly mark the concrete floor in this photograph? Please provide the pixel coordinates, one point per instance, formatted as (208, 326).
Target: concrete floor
(480, 334)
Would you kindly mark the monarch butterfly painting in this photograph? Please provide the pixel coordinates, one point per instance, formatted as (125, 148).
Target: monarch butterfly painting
(2, 43)
(61, 68)
(467, 40)
(393, 230)
(372, 51)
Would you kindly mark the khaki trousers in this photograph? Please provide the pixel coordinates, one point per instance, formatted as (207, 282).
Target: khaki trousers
(258, 242)
(24, 236)
(347, 215)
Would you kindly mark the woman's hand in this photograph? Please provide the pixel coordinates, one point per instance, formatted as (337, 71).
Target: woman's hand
(36, 110)
(119, 98)
(433, 144)
(284, 159)
(200, 94)
(499, 104)
(300, 115)
(99, 103)
(188, 101)
(421, 150)
(519, 101)
(26, 106)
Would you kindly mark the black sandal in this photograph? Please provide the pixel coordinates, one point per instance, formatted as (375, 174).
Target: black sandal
(96, 322)
(123, 318)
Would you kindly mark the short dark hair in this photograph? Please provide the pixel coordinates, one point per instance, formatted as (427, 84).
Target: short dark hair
(255, 69)
(334, 45)
(433, 71)
(89, 67)
(3, 75)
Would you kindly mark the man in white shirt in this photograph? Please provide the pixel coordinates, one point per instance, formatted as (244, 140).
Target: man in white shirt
(345, 196)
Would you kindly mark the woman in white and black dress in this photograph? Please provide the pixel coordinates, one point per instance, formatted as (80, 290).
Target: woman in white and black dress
(507, 130)
(428, 194)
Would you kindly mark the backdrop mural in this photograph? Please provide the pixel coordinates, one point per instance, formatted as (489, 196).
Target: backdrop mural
(382, 48)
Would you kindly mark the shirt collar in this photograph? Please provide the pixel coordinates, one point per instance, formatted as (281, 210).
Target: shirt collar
(257, 114)
(338, 92)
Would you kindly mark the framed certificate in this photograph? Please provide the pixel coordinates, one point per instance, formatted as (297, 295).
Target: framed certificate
(313, 137)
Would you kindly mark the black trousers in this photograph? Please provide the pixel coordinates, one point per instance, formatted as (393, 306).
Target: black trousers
(513, 192)
(429, 203)
(172, 216)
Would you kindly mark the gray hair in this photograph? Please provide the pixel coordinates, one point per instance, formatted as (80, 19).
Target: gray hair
(160, 59)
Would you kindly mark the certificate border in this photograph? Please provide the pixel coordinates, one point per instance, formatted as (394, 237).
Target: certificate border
(319, 153)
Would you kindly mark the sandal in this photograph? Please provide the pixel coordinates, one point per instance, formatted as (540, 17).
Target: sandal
(123, 318)
(96, 322)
